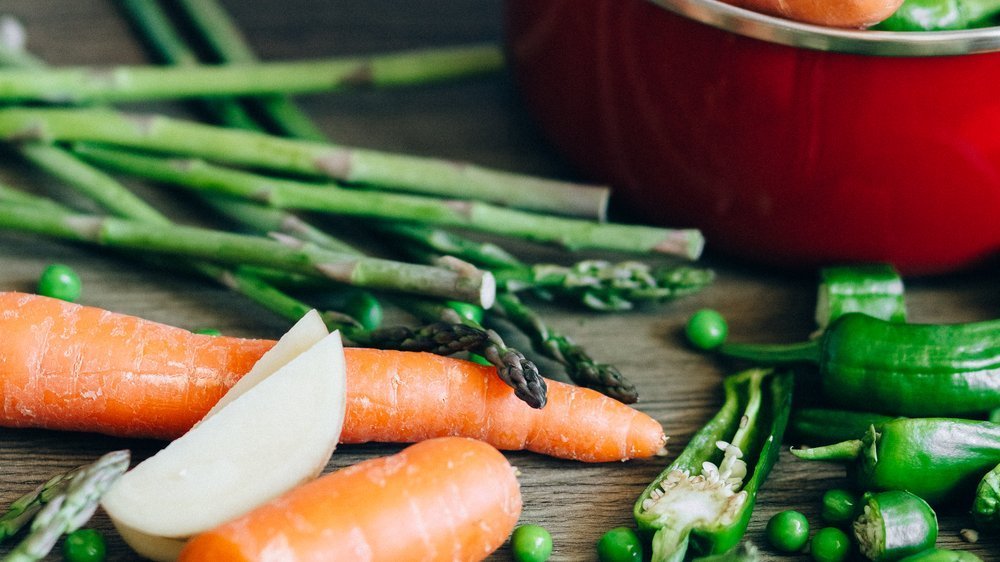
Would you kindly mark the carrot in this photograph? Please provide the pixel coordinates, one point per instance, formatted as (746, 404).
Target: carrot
(853, 13)
(71, 367)
(448, 499)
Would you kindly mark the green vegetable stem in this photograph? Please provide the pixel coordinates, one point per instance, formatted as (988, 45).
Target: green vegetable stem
(934, 458)
(705, 497)
(895, 524)
(941, 15)
(823, 426)
(898, 368)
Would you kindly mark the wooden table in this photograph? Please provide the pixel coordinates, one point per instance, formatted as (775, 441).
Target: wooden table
(480, 121)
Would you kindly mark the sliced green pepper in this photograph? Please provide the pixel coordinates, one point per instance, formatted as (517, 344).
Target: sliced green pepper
(930, 457)
(941, 15)
(898, 368)
(894, 525)
(874, 289)
(986, 505)
(705, 498)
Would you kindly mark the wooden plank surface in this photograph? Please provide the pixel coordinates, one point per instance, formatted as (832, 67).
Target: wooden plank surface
(480, 121)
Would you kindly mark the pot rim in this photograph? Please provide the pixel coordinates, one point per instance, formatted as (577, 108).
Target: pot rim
(864, 42)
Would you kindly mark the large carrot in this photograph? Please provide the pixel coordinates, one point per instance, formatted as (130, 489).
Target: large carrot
(66, 366)
(447, 499)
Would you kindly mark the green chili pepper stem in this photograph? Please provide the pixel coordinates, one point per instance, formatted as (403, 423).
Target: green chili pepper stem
(895, 524)
(773, 354)
(843, 451)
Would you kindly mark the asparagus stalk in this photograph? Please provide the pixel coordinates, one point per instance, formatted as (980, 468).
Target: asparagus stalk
(154, 24)
(466, 284)
(203, 177)
(389, 170)
(580, 367)
(24, 508)
(69, 509)
(213, 25)
(88, 85)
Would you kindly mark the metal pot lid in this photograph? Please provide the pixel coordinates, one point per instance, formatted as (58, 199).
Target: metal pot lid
(864, 42)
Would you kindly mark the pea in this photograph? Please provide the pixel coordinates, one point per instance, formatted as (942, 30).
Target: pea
(706, 329)
(830, 544)
(620, 544)
(208, 332)
(839, 506)
(531, 543)
(60, 282)
(84, 545)
(365, 308)
(467, 310)
(788, 531)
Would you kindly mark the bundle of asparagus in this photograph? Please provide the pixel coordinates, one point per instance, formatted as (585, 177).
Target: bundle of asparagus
(82, 146)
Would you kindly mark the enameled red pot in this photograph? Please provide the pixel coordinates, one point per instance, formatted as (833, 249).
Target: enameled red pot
(785, 143)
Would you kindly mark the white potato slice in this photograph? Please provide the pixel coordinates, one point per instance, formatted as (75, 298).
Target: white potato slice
(300, 337)
(157, 549)
(276, 435)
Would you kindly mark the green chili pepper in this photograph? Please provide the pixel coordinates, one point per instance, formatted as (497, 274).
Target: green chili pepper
(705, 497)
(941, 15)
(986, 505)
(930, 457)
(874, 289)
(942, 555)
(823, 426)
(898, 368)
(894, 525)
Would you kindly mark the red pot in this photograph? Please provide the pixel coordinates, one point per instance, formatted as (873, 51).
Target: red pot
(785, 143)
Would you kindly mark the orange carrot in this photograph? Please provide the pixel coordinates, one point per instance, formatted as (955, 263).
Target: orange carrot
(849, 13)
(66, 366)
(447, 499)
(72, 367)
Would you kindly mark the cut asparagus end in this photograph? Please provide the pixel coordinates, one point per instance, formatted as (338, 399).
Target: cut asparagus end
(709, 500)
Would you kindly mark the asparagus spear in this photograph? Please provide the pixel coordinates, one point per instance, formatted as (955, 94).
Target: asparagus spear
(69, 508)
(159, 34)
(382, 169)
(580, 367)
(89, 85)
(225, 40)
(204, 177)
(466, 283)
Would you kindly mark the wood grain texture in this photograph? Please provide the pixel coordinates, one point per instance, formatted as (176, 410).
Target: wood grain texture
(480, 121)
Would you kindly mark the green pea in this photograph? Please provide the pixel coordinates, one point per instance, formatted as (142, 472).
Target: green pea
(84, 545)
(365, 308)
(839, 506)
(620, 544)
(788, 531)
(60, 282)
(706, 329)
(467, 310)
(531, 543)
(207, 332)
(830, 544)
